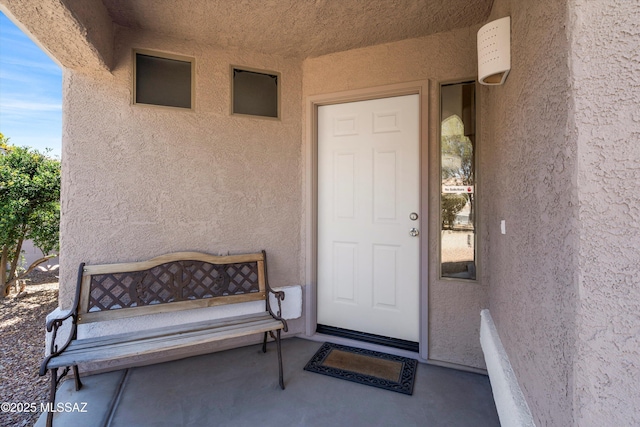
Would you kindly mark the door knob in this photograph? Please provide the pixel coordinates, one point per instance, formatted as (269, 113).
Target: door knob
(414, 232)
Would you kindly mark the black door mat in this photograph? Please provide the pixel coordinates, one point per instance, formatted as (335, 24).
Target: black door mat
(366, 367)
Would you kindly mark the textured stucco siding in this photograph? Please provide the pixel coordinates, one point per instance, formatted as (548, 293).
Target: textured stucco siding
(529, 164)
(139, 181)
(298, 28)
(605, 65)
(74, 33)
(454, 306)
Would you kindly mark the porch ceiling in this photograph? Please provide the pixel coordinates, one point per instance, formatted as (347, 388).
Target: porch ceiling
(300, 28)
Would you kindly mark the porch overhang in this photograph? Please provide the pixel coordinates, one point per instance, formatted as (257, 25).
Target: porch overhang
(79, 34)
(76, 34)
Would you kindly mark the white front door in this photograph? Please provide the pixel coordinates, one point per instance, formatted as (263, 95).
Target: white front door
(368, 200)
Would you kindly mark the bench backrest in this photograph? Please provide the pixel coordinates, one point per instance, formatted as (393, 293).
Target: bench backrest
(170, 282)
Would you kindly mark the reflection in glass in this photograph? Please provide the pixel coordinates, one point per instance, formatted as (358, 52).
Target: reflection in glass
(457, 171)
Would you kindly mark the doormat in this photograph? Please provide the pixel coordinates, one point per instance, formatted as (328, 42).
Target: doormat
(366, 367)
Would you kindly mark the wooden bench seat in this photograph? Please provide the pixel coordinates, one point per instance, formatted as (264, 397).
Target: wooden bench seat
(173, 282)
(152, 341)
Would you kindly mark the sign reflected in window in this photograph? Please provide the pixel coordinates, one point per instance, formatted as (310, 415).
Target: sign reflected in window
(457, 171)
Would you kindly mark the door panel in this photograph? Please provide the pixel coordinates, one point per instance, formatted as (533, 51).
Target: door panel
(368, 185)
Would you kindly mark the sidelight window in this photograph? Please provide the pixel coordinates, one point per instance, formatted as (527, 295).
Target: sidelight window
(458, 200)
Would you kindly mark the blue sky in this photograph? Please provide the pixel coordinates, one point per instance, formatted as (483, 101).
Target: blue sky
(30, 91)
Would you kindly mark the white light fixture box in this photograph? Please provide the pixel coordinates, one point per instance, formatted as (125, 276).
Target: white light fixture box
(494, 52)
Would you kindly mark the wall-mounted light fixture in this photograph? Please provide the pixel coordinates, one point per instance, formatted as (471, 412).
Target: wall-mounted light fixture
(494, 52)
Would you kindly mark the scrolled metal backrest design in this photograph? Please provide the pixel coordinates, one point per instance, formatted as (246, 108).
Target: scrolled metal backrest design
(171, 282)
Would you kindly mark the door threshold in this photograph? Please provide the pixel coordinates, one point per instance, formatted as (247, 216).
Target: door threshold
(370, 338)
(318, 337)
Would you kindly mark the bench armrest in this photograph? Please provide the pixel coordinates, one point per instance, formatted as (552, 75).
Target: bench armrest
(278, 315)
(56, 322)
(278, 294)
(53, 325)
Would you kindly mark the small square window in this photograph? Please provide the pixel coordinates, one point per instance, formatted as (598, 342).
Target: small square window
(161, 79)
(255, 93)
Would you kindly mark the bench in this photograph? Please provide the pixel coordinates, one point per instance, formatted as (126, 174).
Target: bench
(172, 282)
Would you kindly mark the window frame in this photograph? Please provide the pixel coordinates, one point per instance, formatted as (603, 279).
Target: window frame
(476, 183)
(163, 55)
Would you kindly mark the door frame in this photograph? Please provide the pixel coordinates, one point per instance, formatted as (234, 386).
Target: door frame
(310, 236)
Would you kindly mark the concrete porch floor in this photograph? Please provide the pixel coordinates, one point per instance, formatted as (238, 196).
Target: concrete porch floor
(240, 388)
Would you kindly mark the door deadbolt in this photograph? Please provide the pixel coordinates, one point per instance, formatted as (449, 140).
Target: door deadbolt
(414, 232)
(413, 216)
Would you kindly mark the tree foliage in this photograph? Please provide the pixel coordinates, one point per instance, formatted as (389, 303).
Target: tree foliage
(29, 207)
(451, 205)
(457, 149)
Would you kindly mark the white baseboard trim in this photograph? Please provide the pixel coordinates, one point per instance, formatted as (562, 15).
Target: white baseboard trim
(510, 402)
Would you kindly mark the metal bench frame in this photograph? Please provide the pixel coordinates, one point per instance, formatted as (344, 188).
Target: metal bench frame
(172, 282)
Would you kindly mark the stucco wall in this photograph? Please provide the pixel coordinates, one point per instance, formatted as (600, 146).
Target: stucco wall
(454, 307)
(32, 253)
(139, 181)
(605, 66)
(529, 164)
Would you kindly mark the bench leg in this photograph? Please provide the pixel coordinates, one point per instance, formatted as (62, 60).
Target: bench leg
(76, 377)
(279, 358)
(52, 395)
(264, 343)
